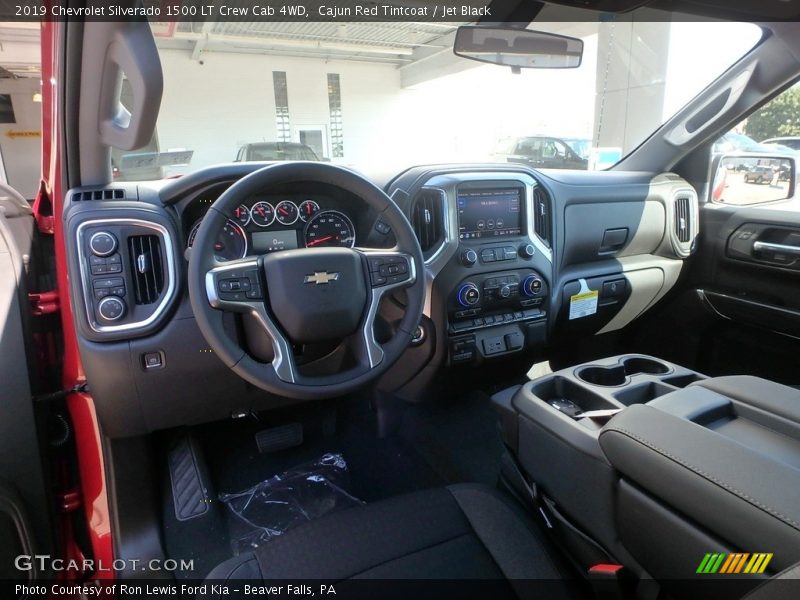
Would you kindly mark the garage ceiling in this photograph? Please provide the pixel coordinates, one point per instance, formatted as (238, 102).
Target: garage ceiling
(398, 43)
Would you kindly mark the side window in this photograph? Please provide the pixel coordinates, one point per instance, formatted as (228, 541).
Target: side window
(561, 149)
(554, 149)
(531, 148)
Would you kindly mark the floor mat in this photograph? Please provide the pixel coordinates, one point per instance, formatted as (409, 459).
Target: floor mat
(273, 506)
(378, 467)
(433, 444)
(458, 437)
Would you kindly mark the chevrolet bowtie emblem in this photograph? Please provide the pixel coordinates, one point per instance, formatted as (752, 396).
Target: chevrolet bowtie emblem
(321, 277)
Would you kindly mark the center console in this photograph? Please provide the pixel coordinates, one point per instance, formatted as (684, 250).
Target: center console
(628, 450)
(497, 301)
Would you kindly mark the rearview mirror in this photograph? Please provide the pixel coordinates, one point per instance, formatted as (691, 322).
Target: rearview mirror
(743, 179)
(518, 48)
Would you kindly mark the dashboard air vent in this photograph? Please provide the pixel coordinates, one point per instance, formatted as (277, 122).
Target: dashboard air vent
(542, 217)
(86, 196)
(147, 267)
(683, 209)
(427, 219)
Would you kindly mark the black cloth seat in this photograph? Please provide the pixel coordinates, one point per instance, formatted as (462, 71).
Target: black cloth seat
(460, 532)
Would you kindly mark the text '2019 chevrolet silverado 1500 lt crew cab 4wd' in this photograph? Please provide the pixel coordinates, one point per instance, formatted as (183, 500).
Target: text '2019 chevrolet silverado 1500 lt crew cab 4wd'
(414, 367)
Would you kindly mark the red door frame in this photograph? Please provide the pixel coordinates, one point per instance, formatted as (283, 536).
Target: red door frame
(48, 209)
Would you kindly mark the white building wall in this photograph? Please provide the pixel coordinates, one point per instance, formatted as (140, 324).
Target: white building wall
(22, 155)
(229, 100)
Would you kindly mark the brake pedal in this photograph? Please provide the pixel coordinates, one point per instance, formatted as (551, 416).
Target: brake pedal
(279, 438)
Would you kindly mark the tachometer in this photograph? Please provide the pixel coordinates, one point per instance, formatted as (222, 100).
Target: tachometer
(230, 243)
(330, 228)
(286, 212)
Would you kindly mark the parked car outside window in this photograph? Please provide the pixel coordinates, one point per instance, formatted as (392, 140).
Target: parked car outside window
(268, 151)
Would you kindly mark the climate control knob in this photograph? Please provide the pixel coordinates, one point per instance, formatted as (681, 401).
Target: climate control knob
(531, 285)
(469, 257)
(505, 291)
(111, 308)
(469, 294)
(102, 243)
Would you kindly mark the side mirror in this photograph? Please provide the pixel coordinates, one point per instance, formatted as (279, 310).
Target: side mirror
(753, 178)
(518, 48)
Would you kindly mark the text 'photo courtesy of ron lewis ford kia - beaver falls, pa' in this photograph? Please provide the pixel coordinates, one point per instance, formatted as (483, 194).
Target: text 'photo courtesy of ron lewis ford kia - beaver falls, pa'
(408, 299)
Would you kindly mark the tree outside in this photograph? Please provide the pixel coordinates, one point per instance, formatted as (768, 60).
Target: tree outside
(779, 117)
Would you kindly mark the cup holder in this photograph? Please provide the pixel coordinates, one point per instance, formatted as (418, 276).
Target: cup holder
(616, 375)
(605, 376)
(649, 366)
(561, 390)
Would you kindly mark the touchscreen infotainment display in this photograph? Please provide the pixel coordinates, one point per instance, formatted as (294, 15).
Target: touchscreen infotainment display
(487, 213)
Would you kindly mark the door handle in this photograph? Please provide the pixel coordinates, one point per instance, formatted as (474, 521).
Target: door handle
(771, 247)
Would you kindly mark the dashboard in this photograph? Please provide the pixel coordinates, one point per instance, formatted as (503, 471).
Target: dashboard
(515, 260)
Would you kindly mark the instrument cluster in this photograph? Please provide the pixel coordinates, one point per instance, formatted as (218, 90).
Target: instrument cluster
(266, 224)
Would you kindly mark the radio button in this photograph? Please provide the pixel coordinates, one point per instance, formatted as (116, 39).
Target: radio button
(469, 257)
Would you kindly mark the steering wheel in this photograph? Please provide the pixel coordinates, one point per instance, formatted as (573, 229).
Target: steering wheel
(306, 295)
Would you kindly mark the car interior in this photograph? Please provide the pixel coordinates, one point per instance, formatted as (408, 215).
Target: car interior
(568, 382)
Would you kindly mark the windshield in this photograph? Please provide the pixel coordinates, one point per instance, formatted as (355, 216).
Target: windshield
(385, 96)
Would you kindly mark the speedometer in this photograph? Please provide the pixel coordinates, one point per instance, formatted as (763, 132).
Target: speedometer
(230, 243)
(330, 228)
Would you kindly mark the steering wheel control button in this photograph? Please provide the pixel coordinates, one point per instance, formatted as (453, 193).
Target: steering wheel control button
(382, 227)
(111, 308)
(239, 286)
(102, 243)
(234, 285)
(469, 295)
(387, 270)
